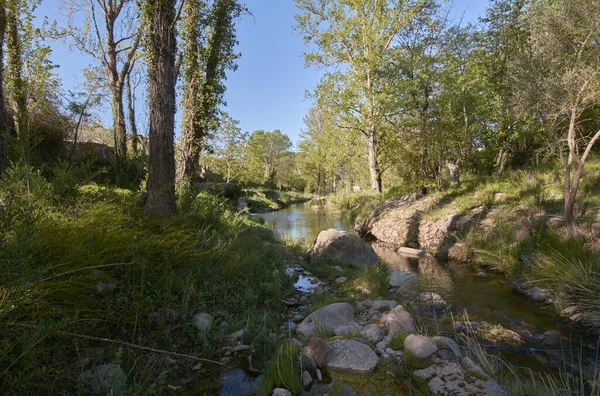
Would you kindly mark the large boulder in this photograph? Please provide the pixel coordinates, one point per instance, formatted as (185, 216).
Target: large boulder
(343, 247)
(395, 222)
(398, 320)
(419, 346)
(337, 318)
(350, 356)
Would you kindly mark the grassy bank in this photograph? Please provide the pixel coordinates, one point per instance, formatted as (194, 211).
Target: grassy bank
(518, 229)
(262, 199)
(85, 270)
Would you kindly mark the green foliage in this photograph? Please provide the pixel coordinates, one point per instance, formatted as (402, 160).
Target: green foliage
(283, 371)
(397, 342)
(164, 271)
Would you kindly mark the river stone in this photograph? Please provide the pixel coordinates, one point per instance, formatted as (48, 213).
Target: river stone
(433, 299)
(450, 379)
(448, 343)
(419, 346)
(343, 247)
(281, 392)
(106, 379)
(203, 321)
(372, 333)
(350, 356)
(460, 253)
(318, 350)
(398, 320)
(338, 317)
(306, 379)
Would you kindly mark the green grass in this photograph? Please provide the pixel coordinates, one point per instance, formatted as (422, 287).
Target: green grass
(164, 271)
(283, 371)
(397, 342)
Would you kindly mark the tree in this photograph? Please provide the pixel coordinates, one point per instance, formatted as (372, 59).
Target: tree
(4, 123)
(358, 36)
(227, 147)
(14, 66)
(160, 49)
(564, 66)
(265, 154)
(504, 38)
(205, 62)
(113, 44)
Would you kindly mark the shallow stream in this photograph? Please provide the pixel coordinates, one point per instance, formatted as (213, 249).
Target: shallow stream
(488, 299)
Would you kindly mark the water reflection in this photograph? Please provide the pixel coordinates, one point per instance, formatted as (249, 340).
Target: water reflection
(302, 221)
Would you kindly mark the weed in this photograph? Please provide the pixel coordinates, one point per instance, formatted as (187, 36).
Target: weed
(283, 371)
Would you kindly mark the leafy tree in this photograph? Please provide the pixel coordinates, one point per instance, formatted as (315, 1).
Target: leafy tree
(266, 153)
(160, 45)
(227, 147)
(358, 38)
(564, 69)
(14, 66)
(205, 62)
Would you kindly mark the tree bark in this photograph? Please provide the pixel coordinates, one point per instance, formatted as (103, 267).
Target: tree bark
(4, 124)
(161, 52)
(131, 114)
(373, 161)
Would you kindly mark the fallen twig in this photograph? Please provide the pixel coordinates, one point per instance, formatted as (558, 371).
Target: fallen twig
(128, 344)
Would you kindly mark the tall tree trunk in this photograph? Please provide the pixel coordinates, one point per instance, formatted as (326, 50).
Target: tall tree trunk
(120, 130)
(131, 114)
(4, 124)
(161, 49)
(374, 170)
(14, 64)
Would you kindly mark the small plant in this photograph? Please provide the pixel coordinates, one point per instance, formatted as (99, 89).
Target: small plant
(397, 342)
(283, 371)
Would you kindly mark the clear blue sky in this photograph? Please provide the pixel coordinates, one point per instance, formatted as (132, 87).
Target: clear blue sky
(268, 89)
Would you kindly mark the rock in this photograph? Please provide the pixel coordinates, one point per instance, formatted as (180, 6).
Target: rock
(411, 252)
(372, 333)
(522, 232)
(343, 247)
(106, 379)
(569, 311)
(460, 253)
(338, 268)
(473, 369)
(281, 392)
(419, 346)
(337, 317)
(449, 344)
(433, 234)
(233, 337)
(318, 350)
(555, 222)
(398, 320)
(101, 287)
(298, 318)
(240, 348)
(169, 361)
(364, 289)
(432, 299)
(500, 197)
(203, 321)
(319, 375)
(394, 222)
(538, 294)
(481, 275)
(377, 305)
(306, 379)
(341, 280)
(449, 378)
(225, 360)
(197, 367)
(350, 356)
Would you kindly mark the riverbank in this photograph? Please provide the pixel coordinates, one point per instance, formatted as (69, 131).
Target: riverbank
(512, 226)
(264, 200)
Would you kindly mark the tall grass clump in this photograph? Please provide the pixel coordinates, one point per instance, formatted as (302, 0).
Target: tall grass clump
(283, 371)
